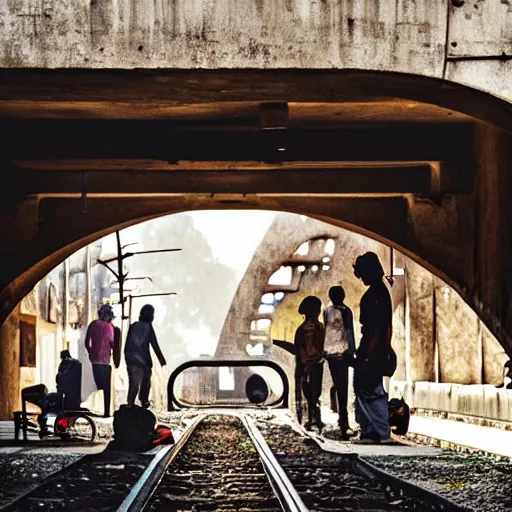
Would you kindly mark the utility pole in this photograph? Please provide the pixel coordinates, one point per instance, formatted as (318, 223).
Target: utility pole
(120, 275)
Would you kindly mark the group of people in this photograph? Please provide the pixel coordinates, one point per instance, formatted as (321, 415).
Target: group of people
(101, 343)
(333, 342)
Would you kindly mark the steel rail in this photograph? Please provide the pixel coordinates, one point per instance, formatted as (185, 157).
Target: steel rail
(147, 484)
(285, 492)
(395, 482)
(145, 487)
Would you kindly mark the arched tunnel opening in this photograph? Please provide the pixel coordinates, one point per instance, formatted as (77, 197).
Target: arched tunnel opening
(228, 294)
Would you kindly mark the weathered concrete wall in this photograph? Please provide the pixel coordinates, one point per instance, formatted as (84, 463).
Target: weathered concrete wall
(473, 400)
(10, 365)
(458, 338)
(427, 37)
(225, 34)
(494, 358)
(420, 337)
(479, 44)
(492, 282)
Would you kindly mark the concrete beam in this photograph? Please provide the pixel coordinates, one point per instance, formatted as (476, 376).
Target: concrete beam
(414, 179)
(90, 139)
(80, 90)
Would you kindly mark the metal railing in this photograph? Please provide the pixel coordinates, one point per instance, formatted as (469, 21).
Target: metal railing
(173, 403)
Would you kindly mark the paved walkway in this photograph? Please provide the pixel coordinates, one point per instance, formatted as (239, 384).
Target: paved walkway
(400, 449)
(487, 439)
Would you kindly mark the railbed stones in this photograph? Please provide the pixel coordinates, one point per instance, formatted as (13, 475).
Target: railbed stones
(475, 481)
(328, 482)
(96, 482)
(218, 469)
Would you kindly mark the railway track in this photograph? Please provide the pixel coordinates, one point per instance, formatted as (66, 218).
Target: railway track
(329, 482)
(223, 463)
(226, 462)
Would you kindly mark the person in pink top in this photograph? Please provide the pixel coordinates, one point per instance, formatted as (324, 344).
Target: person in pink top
(99, 343)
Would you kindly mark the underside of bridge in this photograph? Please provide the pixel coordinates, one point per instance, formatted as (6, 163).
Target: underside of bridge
(418, 163)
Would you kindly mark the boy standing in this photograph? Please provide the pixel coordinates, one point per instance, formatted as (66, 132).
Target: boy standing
(339, 349)
(309, 340)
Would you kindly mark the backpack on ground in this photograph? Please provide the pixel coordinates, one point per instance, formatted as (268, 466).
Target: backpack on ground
(134, 428)
(399, 416)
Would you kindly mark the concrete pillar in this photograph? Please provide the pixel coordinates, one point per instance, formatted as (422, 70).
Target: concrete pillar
(10, 365)
(494, 357)
(420, 341)
(88, 286)
(458, 337)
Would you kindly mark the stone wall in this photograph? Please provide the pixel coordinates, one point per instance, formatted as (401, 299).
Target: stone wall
(465, 42)
(437, 337)
(56, 328)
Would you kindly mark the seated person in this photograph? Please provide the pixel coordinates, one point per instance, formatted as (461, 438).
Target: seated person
(69, 384)
(47, 402)
(69, 380)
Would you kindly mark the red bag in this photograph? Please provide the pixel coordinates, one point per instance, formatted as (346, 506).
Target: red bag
(163, 436)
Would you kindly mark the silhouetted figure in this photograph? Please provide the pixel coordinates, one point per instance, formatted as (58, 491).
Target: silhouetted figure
(309, 340)
(69, 380)
(373, 352)
(138, 358)
(507, 373)
(99, 342)
(339, 351)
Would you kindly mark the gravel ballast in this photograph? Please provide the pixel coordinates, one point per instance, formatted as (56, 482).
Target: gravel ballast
(477, 482)
(21, 471)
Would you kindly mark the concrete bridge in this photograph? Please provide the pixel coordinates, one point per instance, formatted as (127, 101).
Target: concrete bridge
(390, 119)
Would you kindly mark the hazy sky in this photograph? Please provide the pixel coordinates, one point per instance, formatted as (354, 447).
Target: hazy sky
(218, 227)
(229, 237)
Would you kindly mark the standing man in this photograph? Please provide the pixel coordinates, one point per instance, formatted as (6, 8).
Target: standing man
(99, 343)
(373, 352)
(339, 350)
(138, 358)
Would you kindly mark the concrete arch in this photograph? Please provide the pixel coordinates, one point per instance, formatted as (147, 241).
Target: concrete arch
(445, 228)
(356, 215)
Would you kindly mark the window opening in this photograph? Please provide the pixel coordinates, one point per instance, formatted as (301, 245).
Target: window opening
(283, 276)
(303, 249)
(329, 246)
